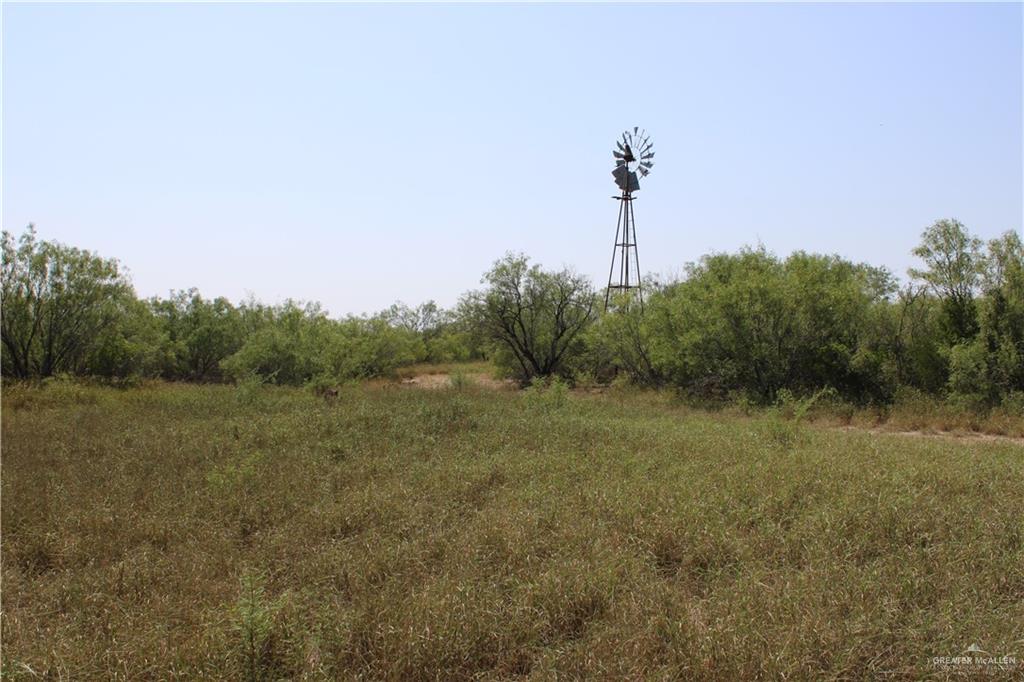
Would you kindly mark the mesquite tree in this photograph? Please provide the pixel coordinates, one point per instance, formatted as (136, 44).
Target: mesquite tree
(535, 317)
(57, 301)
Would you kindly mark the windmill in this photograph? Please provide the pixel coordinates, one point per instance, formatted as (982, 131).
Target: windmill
(634, 153)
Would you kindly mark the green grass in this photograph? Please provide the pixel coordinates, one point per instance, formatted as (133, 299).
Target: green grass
(197, 531)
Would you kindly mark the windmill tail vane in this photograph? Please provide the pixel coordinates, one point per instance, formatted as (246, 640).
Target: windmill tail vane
(624, 252)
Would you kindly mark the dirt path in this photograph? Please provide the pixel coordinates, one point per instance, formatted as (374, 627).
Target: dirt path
(917, 433)
(436, 381)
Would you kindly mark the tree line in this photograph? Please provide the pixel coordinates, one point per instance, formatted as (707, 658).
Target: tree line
(744, 325)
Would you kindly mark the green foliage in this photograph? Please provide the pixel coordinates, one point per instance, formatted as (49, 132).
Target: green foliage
(545, 394)
(449, 346)
(535, 318)
(912, 337)
(460, 381)
(750, 322)
(783, 425)
(58, 304)
(200, 334)
(442, 333)
(249, 388)
(620, 341)
(254, 623)
(232, 476)
(297, 345)
(781, 433)
(954, 264)
(133, 345)
(987, 365)
(359, 348)
(285, 348)
(1002, 318)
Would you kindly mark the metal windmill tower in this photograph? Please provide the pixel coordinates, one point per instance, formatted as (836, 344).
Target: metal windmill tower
(634, 154)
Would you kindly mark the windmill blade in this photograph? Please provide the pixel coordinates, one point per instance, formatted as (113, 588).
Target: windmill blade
(633, 154)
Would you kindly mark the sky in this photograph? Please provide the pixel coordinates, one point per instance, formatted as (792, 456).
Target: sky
(357, 155)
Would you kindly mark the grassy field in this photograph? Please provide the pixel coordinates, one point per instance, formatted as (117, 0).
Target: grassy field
(398, 533)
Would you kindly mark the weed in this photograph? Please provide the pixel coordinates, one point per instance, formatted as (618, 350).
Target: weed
(250, 388)
(254, 623)
(546, 394)
(228, 476)
(460, 381)
(781, 432)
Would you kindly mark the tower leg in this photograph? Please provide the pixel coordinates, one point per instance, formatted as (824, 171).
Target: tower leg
(625, 221)
(636, 258)
(615, 248)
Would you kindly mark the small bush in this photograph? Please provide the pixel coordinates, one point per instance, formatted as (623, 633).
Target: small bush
(228, 477)
(57, 391)
(254, 624)
(782, 432)
(321, 385)
(546, 394)
(251, 387)
(742, 403)
(1008, 418)
(460, 381)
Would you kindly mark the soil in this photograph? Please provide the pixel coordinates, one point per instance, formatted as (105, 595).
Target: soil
(435, 381)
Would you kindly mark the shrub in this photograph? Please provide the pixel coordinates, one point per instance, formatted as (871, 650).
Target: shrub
(534, 318)
(460, 381)
(254, 623)
(546, 394)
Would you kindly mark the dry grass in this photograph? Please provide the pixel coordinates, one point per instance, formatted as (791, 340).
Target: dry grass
(481, 367)
(204, 531)
(927, 415)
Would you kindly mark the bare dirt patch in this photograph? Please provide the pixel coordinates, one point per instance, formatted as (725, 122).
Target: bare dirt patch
(919, 433)
(443, 380)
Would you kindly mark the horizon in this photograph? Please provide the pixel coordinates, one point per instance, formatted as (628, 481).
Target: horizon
(193, 168)
(660, 279)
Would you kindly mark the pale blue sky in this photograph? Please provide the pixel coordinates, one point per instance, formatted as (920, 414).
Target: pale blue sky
(357, 154)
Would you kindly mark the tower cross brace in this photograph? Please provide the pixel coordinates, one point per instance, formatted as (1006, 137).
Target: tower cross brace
(624, 251)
